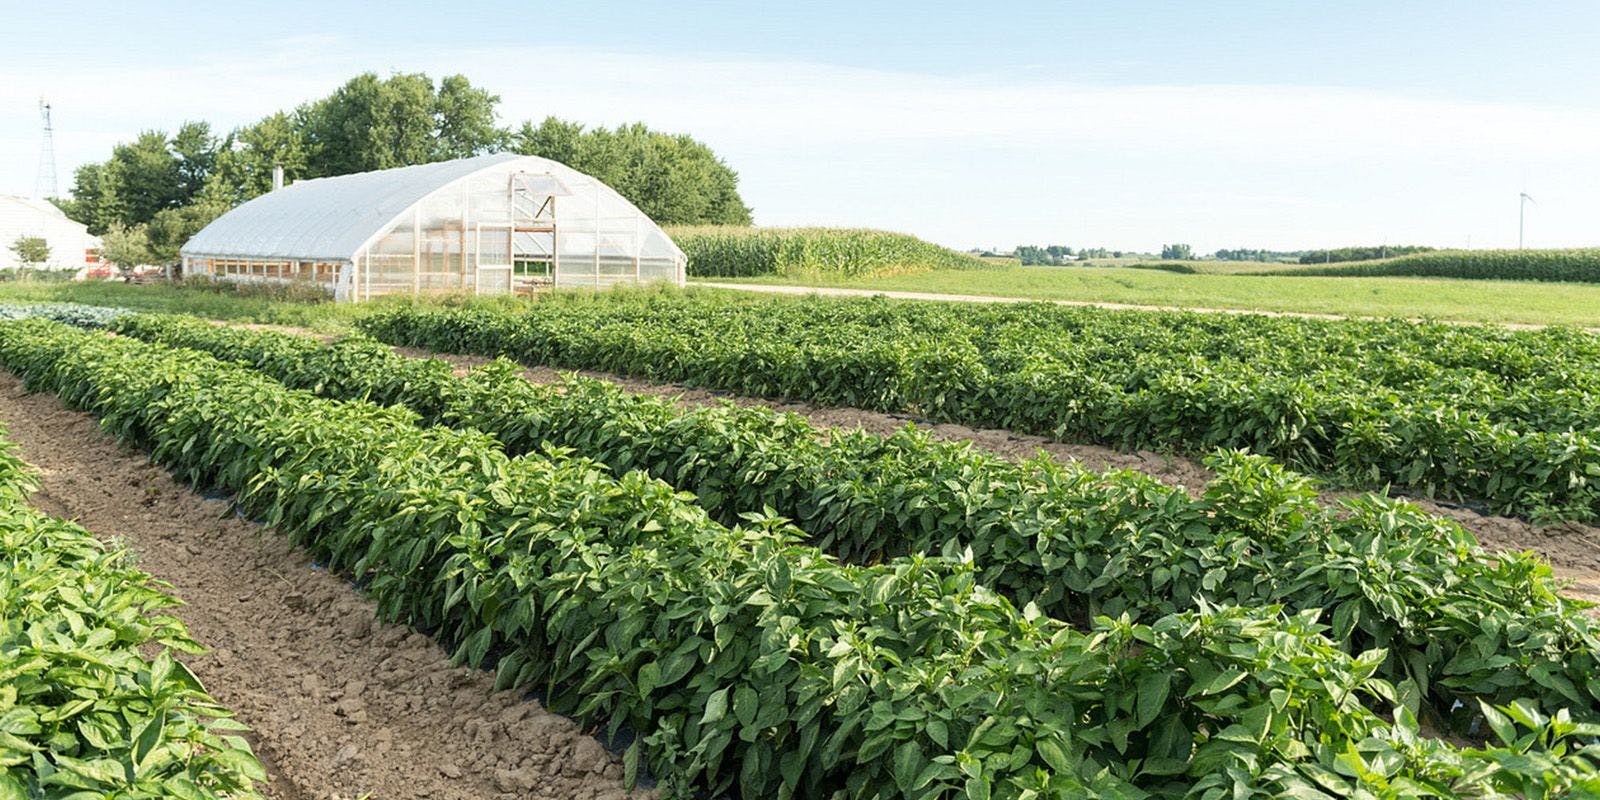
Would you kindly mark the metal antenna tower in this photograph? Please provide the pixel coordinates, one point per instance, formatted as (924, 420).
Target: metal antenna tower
(44, 185)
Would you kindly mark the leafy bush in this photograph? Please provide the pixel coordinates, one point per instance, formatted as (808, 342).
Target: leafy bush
(723, 251)
(83, 316)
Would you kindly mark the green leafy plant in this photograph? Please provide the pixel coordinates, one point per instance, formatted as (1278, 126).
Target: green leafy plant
(93, 702)
(740, 656)
(1456, 623)
(1474, 413)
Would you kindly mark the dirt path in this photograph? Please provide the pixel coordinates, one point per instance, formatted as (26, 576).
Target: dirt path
(341, 706)
(839, 291)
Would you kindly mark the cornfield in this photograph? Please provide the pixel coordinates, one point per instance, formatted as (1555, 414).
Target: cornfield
(722, 251)
(1572, 266)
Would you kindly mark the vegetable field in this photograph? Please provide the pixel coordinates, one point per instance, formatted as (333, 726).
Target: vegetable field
(1075, 543)
(1480, 414)
(1127, 642)
(93, 701)
(766, 608)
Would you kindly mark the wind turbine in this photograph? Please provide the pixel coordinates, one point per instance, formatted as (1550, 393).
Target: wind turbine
(1523, 199)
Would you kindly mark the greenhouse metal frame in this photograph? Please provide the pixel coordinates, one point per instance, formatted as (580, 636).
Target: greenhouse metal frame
(493, 224)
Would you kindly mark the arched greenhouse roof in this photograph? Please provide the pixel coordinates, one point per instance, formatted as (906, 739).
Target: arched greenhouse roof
(333, 219)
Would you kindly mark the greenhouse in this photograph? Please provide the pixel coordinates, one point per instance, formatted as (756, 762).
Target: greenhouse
(493, 224)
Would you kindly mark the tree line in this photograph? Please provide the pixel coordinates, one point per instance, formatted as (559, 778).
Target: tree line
(156, 191)
(1370, 253)
(1055, 255)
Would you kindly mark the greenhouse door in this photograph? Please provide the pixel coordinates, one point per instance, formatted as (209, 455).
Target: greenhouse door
(533, 230)
(494, 258)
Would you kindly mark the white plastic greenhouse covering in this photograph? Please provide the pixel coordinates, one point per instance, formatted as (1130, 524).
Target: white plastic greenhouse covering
(490, 224)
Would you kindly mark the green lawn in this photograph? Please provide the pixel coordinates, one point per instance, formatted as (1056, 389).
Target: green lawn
(1437, 298)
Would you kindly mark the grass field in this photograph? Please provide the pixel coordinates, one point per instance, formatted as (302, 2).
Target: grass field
(1436, 298)
(1519, 302)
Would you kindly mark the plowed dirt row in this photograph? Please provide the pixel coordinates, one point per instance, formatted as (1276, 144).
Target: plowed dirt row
(341, 705)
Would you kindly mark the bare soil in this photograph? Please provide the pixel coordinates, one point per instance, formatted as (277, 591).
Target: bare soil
(340, 704)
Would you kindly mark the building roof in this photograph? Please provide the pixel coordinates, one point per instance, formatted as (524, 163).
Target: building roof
(334, 219)
(328, 219)
(43, 206)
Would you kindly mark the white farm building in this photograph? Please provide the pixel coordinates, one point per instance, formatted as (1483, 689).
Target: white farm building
(71, 246)
(490, 224)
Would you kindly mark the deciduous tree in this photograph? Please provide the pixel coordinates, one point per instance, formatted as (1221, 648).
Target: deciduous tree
(31, 251)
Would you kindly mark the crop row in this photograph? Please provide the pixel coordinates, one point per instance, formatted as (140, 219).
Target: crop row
(79, 314)
(1574, 266)
(1455, 622)
(742, 658)
(1477, 413)
(723, 251)
(92, 701)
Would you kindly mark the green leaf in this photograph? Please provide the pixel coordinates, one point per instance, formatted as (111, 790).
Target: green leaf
(745, 704)
(148, 738)
(1153, 690)
(977, 788)
(908, 763)
(779, 576)
(11, 788)
(648, 678)
(716, 707)
(1499, 723)
(630, 764)
(1051, 751)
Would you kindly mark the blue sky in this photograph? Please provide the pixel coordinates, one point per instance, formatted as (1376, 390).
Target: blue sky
(1243, 124)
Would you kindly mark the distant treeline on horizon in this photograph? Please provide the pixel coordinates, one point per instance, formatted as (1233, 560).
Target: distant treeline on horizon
(1058, 255)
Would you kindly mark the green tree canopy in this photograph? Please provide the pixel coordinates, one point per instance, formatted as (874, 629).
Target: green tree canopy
(144, 177)
(94, 200)
(169, 188)
(31, 250)
(674, 179)
(125, 247)
(378, 123)
(244, 164)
